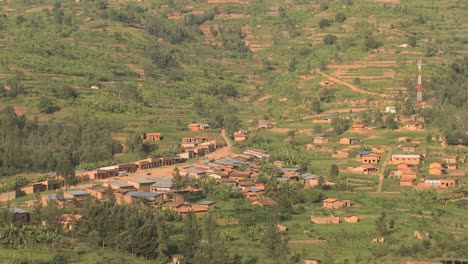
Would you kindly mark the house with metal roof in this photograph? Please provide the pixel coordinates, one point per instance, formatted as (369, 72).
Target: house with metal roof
(141, 184)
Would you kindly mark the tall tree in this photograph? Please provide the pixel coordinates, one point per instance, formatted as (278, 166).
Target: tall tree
(276, 245)
(191, 239)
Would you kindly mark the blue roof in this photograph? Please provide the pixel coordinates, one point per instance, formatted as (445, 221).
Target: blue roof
(141, 181)
(143, 194)
(206, 202)
(255, 190)
(364, 152)
(320, 137)
(77, 192)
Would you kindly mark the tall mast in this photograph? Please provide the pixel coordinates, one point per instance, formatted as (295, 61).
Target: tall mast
(420, 88)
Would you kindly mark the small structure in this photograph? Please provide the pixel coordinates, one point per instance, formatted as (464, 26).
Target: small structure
(421, 235)
(407, 182)
(349, 140)
(351, 218)
(210, 205)
(98, 192)
(279, 163)
(390, 109)
(359, 128)
(333, 203)
(241, 135)
(146, 197)
(320, 140)
(19, 216)
(363, 169)
(195, 127)
(291, 172)
(161, 185)
(70, 221)
(326, 83)
(435, 168)
(414, 126)
(340, 154)
(378, 240)
(408, 159)
(78, 195)
(324, 120)
(141, 184)
(324, 220)
(378, 149)
(185, 208)
(151, 136)
(264, 202)
(281, 228)
(365, 156)
(264, 125)
(409, 147)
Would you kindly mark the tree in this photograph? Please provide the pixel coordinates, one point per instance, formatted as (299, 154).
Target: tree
(334, 171)
(65, 169)
(191, 239)
(46, 105)
(381, 224)
(323, 23)
(323, 6)
(178, 182)
(390, 122)
(340, 17)
(232, 124)
(213, 250)
(412, 40)
(276, 245)
(329, 39)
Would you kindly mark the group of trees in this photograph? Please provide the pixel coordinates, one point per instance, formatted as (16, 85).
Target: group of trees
(33, 146)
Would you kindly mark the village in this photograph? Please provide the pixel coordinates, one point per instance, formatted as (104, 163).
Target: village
(150, 181)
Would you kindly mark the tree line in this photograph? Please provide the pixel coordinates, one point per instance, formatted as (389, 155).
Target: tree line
(29, 145)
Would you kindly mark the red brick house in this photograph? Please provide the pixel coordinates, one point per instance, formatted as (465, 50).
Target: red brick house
(367, 157)
(151, 136)
(332, 203)
(349, 140)
(320, 140)
(351, 218)
(359, 128)
(241, 135)
(198, 126)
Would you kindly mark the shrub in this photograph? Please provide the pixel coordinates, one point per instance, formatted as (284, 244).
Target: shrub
(324, 23)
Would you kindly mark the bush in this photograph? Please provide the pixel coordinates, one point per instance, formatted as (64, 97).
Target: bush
(324, 23)
(329, 39)
(340, 17)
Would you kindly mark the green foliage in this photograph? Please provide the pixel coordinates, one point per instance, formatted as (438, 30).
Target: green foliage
(340, 17)
(136, 230)
(340, 125)
(87, 140)
(46, 105)
(329, 39)
(276, 245)
(192, 236)
(323, 23)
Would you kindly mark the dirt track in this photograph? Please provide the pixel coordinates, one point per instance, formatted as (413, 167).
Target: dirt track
(351, 86)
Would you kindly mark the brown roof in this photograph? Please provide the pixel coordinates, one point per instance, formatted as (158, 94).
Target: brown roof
(358, 126)
(330, 200)
(264, 202)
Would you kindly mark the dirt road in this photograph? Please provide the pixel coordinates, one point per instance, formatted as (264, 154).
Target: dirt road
(351, 86)
(381, 174)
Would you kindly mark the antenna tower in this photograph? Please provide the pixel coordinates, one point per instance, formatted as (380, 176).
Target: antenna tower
(420, 88)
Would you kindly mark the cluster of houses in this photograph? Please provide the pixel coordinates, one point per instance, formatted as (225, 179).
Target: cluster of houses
(408, 166)
(334, 203)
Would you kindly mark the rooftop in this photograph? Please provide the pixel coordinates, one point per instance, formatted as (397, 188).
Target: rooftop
(120, 184)
(143, 194)
(141, 181)
(364, 152)
(77, 192)
(162, 183)
(206, 202)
